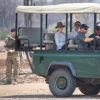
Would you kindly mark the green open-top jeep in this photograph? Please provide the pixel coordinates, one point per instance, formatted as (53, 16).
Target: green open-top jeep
(64, 70)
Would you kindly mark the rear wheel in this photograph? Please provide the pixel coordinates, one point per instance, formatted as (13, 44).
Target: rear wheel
(62, 83)
(89, 89)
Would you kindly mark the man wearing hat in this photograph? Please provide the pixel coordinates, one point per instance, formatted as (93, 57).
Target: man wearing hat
(60, 36)
(80, 39)
(95, 35)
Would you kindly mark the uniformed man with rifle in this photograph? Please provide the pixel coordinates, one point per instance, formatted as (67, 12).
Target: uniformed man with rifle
(11, 60)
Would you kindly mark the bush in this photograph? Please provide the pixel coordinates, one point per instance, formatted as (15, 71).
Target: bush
(3, 36)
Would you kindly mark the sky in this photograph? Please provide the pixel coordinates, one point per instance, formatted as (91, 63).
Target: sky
(96, 1)
(49, 0)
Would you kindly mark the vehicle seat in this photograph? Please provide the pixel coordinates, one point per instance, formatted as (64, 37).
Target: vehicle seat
(49, 41)
(72, 45)
(29, 37)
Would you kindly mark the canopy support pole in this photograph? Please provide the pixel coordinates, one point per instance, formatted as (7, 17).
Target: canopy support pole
(66, 31)
(71, 15)
(41, 21)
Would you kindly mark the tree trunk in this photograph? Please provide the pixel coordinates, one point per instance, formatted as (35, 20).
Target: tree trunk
(28, 17)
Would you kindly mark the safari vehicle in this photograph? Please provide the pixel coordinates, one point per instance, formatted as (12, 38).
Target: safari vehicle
(64, 70)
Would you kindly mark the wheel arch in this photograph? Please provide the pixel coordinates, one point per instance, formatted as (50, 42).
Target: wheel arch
(55, 65)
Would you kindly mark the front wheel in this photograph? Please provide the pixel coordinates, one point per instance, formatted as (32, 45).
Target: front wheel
(62, 83)
(89, 89)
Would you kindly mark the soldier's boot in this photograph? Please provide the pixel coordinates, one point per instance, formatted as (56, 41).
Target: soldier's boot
(14, 82)
(8, 82)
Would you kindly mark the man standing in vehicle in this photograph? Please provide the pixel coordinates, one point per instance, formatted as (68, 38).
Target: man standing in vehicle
(81, 40)
(60, 36)
(11, 60)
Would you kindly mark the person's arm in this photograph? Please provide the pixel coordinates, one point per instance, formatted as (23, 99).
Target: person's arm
(9, 42)
(88, 39)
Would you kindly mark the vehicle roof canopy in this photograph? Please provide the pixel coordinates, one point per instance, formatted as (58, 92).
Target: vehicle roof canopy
(61, 8)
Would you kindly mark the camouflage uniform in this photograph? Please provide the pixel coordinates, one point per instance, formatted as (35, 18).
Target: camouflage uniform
(11, 61)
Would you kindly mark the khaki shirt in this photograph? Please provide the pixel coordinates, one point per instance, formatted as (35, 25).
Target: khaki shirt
(10, 44)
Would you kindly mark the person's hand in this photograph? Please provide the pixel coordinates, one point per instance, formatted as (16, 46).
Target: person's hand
(97, 37)
(11, 50)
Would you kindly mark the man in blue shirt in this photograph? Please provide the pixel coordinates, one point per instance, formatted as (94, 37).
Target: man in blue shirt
(75, 31)
(81, 40)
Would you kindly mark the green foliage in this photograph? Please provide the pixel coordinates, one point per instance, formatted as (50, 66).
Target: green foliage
(52, 29)
(3, 36)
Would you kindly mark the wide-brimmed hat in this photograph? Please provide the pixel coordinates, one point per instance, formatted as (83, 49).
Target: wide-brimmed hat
(59, 24)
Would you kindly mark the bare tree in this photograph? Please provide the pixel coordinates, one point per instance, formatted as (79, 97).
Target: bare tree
(28, 17)
(8, 9)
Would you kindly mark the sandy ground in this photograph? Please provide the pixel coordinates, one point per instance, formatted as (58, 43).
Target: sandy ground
(36, 91)
(25, 73)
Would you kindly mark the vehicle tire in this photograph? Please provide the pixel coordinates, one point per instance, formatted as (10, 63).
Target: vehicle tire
(62, 83)
(89, 89)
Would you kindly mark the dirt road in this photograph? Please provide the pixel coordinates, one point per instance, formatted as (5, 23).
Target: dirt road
(36, 91)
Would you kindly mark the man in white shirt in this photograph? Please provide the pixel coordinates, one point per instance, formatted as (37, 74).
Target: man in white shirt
(60, 36)
(74, 33)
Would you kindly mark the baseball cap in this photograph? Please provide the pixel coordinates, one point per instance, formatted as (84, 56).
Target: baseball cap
(84, 26)
(13, 30)
(97, 27)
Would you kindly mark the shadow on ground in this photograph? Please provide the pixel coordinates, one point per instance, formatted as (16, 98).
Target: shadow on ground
(51, 96)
